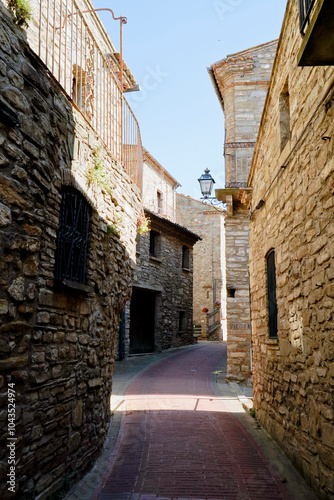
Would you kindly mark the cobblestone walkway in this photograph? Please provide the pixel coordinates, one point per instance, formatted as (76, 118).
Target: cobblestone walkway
(178, 440)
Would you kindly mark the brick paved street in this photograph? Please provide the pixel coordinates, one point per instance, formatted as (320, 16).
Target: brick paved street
(178, 440)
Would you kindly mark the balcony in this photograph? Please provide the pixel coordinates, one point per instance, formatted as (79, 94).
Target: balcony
(74, 46)
(316, 19)
(164, 210)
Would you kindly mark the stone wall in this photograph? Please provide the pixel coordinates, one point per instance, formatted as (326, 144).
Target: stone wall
(237, 285)
(292, 213)
(157, 179)
(242, 80)
(56, 343)
(209, 262)
(171, 283)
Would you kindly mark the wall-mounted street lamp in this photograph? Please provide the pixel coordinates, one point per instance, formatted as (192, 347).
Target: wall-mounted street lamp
(206, 182)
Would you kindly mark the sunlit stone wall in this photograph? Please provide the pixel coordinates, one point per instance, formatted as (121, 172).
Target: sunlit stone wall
(294, 373)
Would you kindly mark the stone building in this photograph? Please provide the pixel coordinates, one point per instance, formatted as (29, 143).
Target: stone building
(69, 202)
(292, 248)
(209, 264)
(160, 314)
(159, 189)
(241, 82)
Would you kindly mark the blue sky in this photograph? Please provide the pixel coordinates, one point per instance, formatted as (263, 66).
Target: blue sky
(168, 46)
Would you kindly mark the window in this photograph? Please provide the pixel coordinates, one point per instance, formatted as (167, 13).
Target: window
(185, 257)
(72, 237)
(271, 294)
(159, 201)
(155, 244)
(230, 292)
(305, 9)
(284, 116)
(182, 321)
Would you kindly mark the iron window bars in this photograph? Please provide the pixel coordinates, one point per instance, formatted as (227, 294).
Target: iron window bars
(305, 8)
(72, 237)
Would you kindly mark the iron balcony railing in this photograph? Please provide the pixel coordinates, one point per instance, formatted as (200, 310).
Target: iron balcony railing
(164, 210)
(305, 9)
(77, 51)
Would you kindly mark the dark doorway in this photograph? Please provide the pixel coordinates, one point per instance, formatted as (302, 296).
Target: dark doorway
(142, 321)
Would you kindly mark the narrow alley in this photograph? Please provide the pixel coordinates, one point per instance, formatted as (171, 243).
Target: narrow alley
(166, 250)
(158, 455)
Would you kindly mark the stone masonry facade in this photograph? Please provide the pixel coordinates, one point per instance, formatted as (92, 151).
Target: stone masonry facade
(209, 263)
(292, 207)
(241, 82)
(57, 343)
(170, 280)
(159, 189)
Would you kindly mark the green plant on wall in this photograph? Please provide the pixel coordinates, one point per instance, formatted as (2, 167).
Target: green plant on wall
(21, 10)
(112, 229)
(96, 172)
(115, 227)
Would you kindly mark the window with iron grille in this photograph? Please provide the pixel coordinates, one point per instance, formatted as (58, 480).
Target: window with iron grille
(72, 237)
(271, 294)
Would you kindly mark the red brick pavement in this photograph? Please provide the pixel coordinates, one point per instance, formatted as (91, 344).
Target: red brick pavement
(178, 441)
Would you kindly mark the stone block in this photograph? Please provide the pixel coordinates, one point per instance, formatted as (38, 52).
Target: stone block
(30, 266)
(285, 347)
(77, 414)
(15, 328)
(20, 375)
(17, 289)
(24, 243)
(15, 98)
(74, 442)
(4, 306)
(43, 317)
(38, 357)
(95, 382)
(5, 215)
(14, 362)
(328, 438)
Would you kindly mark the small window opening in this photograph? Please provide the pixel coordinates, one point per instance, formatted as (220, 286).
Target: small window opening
(182, 321)
(271, 294)
(231, 292)
(284, 116)
(185, 257)
(155, 244)
(159, 201)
